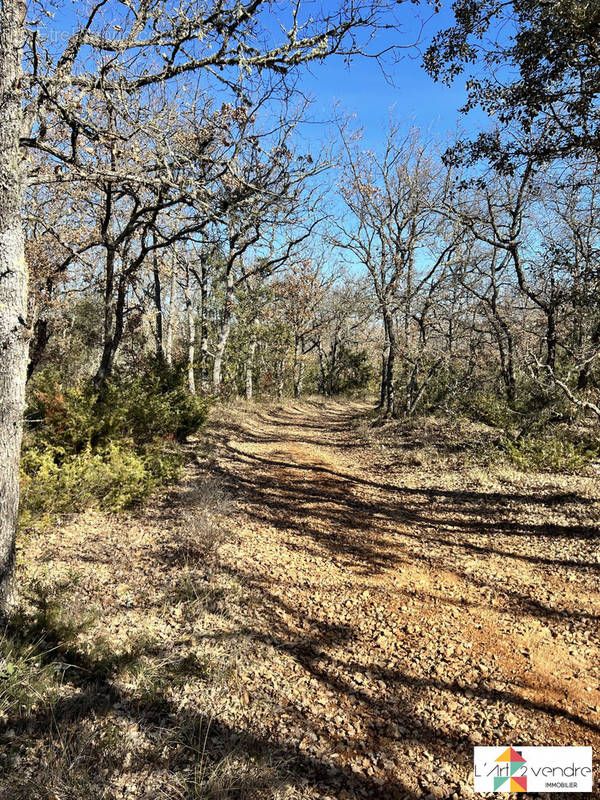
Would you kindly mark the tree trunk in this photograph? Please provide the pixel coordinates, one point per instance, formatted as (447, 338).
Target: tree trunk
(170, 328)
(383, 388)
(390, 403)
(323, 369)
(223, 334)
(299, 367)
(408, 303)
(37, 346)
(114, 321)
(334, 382)
(41, 329)
(280, 379)
(250, 367)
(295, 368)
(505, 342)
(107, 329)
(384, 365)
(204, 325)
(411, 389)
(298, 388)
(419, 393)
(14, 332)
(191, 332)
(551, 338)
(511, 383)
(583, 379)
(158, 309)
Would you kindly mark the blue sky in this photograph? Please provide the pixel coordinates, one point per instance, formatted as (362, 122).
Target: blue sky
(362, 88)
(410, 96)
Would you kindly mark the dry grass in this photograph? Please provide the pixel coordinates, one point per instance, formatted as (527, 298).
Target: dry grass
(202, 532)
(261, 636)
(116, 701)
(234, 774)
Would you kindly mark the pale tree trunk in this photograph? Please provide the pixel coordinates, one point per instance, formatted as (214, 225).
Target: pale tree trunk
(14, 332)
(299, 383)
(170, 327)
(250, 367)
(583, 378)
(223, 334)
(191, 331)
(204, 325)
(417, 394)
(333, 385)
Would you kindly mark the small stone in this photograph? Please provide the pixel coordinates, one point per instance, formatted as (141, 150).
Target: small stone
(438, 792)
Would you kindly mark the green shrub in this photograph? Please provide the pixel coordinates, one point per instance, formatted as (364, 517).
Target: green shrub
(488, 406)
(147, 407)
(351, 373)
(549, 451)
(139, 407)
(107, 449)
(113, 478)
(64, 420)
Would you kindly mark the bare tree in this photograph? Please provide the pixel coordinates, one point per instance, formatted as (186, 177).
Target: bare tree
(391, 200)
(118, 48)
(299, 293)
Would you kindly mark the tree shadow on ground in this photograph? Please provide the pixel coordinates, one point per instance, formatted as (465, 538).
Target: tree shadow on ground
(372, 528)
(83, 745)
(413, 720)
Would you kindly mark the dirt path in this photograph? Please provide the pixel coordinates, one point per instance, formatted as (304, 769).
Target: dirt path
(409, 615)
(375, 611)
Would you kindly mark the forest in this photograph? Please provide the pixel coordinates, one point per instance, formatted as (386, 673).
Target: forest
(300, 415)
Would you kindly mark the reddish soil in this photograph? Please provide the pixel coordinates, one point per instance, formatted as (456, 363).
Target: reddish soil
(378, 607)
